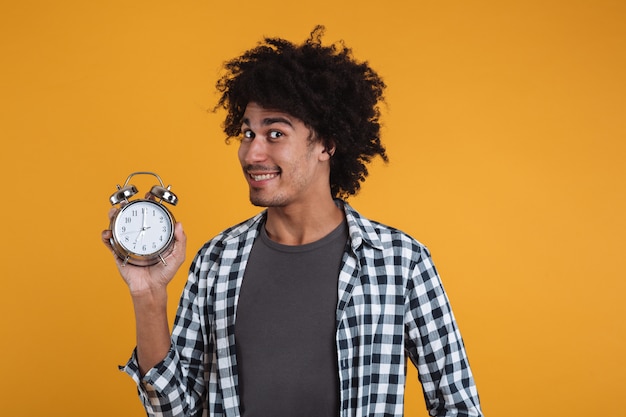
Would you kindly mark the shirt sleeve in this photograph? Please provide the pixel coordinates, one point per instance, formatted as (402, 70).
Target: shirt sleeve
(176, 386)
(157, 389)
(435, 346)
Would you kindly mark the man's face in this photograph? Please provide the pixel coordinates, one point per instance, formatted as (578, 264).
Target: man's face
(281, 163)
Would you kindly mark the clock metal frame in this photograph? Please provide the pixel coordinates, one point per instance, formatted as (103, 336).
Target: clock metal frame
(159, 194)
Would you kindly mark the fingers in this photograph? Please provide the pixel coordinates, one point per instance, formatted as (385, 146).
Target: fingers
(107, 234)
(179, 233)
(180, 245)
(106, 240)
(112, 213)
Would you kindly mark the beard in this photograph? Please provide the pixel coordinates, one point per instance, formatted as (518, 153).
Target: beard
(259, 200)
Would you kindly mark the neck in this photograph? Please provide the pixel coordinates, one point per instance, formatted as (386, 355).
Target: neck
(303, 224)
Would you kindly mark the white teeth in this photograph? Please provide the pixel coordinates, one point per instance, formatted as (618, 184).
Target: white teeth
(262, 177)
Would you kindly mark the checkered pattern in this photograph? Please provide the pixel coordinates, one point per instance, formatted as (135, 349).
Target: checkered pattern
(391, 306)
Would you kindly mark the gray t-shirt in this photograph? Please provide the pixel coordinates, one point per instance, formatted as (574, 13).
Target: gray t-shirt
(285, 328)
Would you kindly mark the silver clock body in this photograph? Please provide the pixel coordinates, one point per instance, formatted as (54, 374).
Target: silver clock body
(142, 232)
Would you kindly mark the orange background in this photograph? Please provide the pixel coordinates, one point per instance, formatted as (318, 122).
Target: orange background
(505, 126)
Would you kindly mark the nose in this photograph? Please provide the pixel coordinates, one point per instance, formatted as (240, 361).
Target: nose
(252, 151)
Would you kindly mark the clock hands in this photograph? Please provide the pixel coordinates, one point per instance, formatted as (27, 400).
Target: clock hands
(144, 224)
(144, 227)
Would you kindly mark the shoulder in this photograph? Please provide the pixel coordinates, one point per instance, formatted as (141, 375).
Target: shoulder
(381, 236)
(236, 236)
(388, 251)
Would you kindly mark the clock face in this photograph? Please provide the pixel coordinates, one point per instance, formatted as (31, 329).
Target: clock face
(143, 227)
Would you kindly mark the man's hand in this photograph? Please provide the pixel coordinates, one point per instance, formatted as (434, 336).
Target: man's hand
(150, 279)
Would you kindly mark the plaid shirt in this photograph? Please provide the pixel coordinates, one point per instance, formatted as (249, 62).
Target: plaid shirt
(391, 306)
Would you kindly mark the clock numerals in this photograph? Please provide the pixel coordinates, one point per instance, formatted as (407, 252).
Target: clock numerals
(144, 228)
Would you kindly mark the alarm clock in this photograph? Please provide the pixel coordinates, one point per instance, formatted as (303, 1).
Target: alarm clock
(142, 230)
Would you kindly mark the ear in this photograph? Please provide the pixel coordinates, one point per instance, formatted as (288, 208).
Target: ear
(328, 152)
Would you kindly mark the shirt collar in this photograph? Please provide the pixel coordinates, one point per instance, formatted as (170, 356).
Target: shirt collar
(360, 229)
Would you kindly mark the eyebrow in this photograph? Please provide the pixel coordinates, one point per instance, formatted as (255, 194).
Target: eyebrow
(270, 121)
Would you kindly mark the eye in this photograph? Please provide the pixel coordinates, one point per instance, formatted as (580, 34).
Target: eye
(247, 134)
(275, 134)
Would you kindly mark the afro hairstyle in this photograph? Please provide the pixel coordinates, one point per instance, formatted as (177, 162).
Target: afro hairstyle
(325, 87)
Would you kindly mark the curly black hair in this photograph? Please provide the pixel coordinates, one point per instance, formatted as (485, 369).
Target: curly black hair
(323, 86)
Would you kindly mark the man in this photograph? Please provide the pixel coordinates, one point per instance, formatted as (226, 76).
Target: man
(307, 309)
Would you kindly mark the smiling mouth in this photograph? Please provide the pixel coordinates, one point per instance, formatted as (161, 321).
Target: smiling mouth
(261, 172)
(262, 177)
